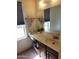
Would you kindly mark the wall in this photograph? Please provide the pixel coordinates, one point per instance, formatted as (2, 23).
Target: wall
(39, 12)
(55, 18)
(29, 8)
(23, 44)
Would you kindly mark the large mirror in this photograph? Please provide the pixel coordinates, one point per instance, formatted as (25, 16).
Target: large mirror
(55, 18)
(52, 17)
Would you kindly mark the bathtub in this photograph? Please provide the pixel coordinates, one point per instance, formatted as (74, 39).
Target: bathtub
(23, 44)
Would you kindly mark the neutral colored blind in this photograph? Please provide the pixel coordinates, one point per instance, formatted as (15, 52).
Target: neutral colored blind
(47, 14)
(20, 19)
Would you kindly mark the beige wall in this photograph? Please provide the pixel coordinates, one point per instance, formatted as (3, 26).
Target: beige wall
(55, 18)
(39, 12)
(29, 8)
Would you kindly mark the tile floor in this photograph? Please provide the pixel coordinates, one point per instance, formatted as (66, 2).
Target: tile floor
(29, 54)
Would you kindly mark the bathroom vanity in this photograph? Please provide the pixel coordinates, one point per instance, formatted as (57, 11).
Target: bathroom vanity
(51, 45)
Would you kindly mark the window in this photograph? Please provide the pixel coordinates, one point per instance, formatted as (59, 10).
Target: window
(47, 26)
(21, 31)
(20, 19)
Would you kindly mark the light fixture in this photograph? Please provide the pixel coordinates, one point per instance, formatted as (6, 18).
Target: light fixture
(42, 4)
(54, 1)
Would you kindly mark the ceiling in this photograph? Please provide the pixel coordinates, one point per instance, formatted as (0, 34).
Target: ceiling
(43, 4)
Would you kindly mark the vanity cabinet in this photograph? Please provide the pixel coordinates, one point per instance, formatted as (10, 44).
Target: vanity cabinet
(44, 51)
(43, 44)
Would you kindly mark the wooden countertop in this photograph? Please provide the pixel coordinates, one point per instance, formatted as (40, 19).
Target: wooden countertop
(47, 39)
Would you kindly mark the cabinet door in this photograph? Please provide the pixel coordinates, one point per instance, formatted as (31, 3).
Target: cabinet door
(51, 54)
